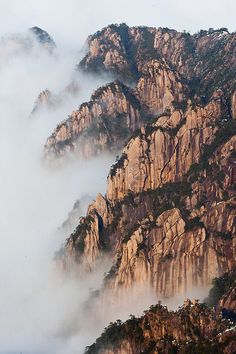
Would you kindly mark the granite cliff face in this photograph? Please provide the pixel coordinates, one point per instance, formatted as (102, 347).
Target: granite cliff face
(173, 228)
(167, 68)
(192, 56)
(100, 124)
(168, 218)
(192, 329)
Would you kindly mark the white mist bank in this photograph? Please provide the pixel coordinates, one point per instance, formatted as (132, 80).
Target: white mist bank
(36, 302)
(43, 311)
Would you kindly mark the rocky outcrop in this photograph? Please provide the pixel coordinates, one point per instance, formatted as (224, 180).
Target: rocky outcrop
(48, 101)
(164, 151)
(159, 87)
(45, 100)
(43, 38)
(192, 329)
(79, 209)
(168, 218)
(115, 111)
(102, 123)
(171, 258)
(193, 56)
(169, 69)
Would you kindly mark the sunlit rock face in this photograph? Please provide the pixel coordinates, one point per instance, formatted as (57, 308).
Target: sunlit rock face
(168, 216)
(193, 56)
(173, 228)
(167, 70)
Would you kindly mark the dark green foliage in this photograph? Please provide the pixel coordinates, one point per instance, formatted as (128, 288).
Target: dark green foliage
(191, 224)
(204, 347)
(140, 332)
(225, 132)
(111, 334)
(80, 233)
(129, 233)
(118, 164)
(167, 257)
(223, 235)
(180, 105)
(220, 287)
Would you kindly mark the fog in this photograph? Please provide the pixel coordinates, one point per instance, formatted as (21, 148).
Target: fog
(70, 21)
(41, 310)
(35, 300)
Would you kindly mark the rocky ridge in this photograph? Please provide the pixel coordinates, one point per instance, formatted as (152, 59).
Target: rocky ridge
(167, 67)
(103, 122)
(168, 218)
(175, 227)
(192, 329)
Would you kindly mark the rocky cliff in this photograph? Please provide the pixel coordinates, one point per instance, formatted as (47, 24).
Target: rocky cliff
(192, 329)
(169, 213)
(123, 51)
(168, 218)
(103, 123)
(167, 67)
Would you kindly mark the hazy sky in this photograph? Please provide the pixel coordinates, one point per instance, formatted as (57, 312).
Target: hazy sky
(70, 21)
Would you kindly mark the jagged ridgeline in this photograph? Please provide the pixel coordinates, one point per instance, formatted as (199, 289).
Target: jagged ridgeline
(192, 329)
(168, 70)
(168, 218)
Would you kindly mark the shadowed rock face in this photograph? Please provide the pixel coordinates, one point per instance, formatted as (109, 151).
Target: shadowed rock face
(42, 35)
(103, 123)
(43, 38)
(192, 329)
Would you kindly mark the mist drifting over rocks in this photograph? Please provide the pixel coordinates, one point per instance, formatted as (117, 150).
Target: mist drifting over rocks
(42, 309)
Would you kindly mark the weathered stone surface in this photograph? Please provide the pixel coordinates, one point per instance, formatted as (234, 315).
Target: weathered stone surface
(159, 86)
(193, 240)
(193, 328)
(96, 125)
(161, 156)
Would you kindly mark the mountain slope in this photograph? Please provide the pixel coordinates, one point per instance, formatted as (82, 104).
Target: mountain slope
(170, 70)
(192, 329)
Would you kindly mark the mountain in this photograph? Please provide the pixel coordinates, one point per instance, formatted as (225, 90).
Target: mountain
(14, 44)
(168, 218)
(168, 70)
(192, 329)
(43, 38)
